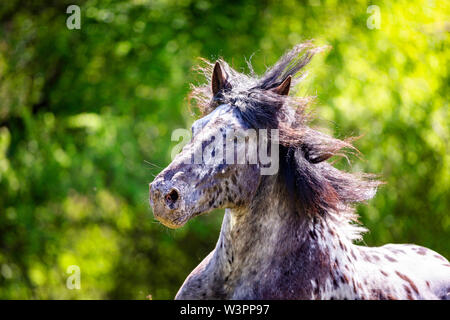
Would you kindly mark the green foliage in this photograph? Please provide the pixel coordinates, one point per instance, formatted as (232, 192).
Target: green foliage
(81, 111)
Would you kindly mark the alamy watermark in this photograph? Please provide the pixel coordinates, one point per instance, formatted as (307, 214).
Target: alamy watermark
(259, 147)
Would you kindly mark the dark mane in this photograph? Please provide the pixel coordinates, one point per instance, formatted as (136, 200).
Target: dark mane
(317, 186)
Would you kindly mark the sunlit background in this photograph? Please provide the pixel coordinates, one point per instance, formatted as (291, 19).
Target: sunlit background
(86, 118)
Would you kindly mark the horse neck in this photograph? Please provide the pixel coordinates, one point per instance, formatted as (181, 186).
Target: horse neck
(270, 233)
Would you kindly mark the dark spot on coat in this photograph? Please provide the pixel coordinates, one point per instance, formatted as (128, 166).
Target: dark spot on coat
(317, 291)
(422, 251)
(408, 293)
(335, 284)
(366, 257)
(344, 279)
(378, 294)
(336, 264)
(407, 279)
(354, 286)
(395, 250)
(440, 257)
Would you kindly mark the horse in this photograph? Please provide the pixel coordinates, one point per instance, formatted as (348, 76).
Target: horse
(288, 234)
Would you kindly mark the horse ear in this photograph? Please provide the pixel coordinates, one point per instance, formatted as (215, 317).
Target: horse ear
(219, 81)
(283, 88)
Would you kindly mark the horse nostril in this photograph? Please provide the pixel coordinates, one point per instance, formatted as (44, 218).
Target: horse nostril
(172, 196)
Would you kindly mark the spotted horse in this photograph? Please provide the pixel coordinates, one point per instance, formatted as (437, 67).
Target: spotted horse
(287, 235)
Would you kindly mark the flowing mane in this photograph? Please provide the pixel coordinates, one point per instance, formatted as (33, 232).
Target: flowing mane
(316, 187)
